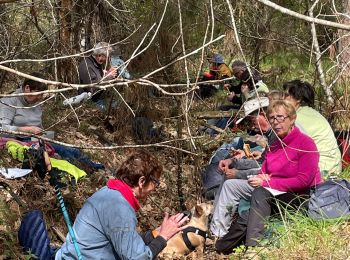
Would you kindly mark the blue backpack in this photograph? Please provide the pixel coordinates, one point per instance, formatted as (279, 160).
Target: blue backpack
(33, 236)
(329, 200)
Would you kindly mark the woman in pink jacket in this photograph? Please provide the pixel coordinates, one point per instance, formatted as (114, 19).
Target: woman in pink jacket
(289, 171)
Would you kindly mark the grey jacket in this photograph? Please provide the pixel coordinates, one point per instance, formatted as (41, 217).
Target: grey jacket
(248, 167)
(90, 72)
(13, 116)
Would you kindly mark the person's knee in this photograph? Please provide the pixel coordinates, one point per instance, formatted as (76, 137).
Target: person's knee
(260, 193)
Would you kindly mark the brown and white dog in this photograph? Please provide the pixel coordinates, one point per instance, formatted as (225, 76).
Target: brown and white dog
(191, 238)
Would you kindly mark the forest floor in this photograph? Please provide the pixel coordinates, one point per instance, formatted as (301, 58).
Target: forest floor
(329, 241)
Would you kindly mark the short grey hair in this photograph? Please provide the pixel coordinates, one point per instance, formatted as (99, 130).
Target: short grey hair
(102, 48)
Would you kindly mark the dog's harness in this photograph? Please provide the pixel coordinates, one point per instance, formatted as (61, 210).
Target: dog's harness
(197, 231)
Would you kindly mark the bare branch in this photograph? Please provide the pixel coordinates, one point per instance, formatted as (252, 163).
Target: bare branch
(8, 1)
(304, 17)
(316, 47)
(164, 144)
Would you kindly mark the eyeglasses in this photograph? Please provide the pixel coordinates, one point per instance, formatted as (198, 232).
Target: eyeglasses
(279, 118)
(155, 181)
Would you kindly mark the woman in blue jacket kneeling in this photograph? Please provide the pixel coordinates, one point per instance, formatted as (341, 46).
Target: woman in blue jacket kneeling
(105, 227)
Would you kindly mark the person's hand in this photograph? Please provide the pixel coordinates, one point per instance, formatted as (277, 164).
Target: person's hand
(244, 88)
(231, 173)
(264, 176)
(112, 72)
(230, 96)
(225, 164)
(31, 130)
(238, 154)
(255, 181)
(256, 155)
(172, 225)
(227, 87)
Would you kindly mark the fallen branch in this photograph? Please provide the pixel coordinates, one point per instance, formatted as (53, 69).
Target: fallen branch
(217, 129)
(215, 114)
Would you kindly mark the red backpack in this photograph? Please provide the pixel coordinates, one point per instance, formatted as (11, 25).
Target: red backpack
(343, 143)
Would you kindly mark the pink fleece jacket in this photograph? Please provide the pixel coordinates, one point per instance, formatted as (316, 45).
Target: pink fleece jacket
(292, 163)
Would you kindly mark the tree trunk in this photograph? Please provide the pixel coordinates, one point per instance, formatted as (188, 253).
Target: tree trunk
(65, 68)
(344, 43)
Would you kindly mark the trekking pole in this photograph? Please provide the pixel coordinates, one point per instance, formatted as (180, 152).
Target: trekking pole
(59, 196)
(43, 166)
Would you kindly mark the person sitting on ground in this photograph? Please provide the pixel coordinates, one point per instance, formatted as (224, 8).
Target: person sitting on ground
(237, 169)
(291, 167)
(250, 83)
(29, 120)
(218, 71)
(91, 70)
(106, 226)
(218, 68)
(302, 95)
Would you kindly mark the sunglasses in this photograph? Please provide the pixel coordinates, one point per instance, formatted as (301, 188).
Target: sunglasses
(155, 181)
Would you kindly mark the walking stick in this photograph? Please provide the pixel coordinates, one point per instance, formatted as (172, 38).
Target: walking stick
(54, 174)
(43, 166)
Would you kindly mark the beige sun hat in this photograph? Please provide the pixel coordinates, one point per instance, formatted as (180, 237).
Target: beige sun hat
(252, 105)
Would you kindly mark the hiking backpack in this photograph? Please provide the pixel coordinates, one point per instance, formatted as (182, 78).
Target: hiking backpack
(330, 199)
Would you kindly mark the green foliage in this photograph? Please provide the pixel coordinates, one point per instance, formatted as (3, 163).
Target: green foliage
(303, 238)
(345, 174)
(238, 252)
(285, 66)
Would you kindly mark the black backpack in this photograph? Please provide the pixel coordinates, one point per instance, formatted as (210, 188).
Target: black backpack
(329, 200)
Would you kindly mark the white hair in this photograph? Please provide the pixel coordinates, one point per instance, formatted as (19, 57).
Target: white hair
(102, 48)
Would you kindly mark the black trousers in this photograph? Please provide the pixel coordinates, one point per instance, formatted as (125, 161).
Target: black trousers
(249, 227)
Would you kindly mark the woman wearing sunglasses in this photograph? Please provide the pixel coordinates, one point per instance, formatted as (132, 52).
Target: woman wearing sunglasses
(290, 169)
(106, 226)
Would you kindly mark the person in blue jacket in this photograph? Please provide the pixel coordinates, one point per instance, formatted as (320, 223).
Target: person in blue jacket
(106, 226)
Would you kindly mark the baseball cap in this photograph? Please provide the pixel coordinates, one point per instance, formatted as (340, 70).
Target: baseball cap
(252, 105)
(217, 58)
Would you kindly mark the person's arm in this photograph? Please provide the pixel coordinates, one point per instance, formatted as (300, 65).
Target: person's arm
(225, 164)
(147, 236)
(7, 113)
(129, 244)
(156, 244)
(244, 164)
(307, 170)
(243, 174)
(87, 74)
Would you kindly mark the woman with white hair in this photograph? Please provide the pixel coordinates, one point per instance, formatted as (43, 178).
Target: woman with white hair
(91, 68)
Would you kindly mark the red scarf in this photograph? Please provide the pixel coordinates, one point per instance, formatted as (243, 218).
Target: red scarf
(126, 191)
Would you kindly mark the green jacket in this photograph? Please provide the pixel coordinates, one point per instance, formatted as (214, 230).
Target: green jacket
(317, 127)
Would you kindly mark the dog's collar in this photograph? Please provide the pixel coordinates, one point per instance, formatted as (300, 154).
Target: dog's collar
(197, 231)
